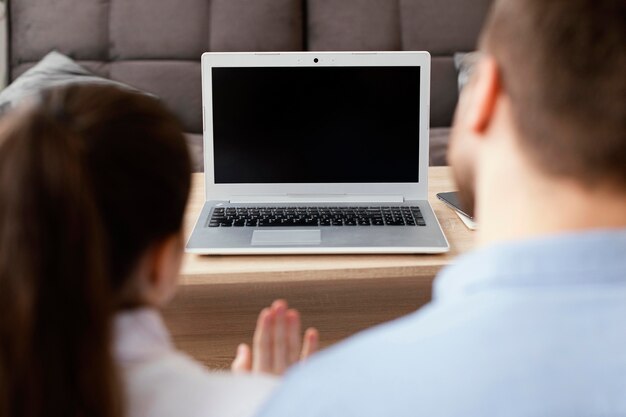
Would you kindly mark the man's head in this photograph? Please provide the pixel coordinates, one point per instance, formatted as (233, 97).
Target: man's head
(553, 77)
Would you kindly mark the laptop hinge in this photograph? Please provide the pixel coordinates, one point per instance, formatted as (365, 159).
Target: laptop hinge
(313, 198)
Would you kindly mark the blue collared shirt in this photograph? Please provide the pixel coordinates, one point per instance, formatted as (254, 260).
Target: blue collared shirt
(529, 328)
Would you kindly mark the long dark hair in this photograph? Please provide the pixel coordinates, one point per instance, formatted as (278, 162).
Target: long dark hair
(90, 177)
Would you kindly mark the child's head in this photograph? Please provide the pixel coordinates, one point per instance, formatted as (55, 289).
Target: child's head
(93, 186)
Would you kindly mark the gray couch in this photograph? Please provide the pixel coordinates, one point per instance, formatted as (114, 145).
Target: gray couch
(155, 45)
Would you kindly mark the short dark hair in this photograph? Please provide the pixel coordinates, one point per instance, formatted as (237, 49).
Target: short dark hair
(563, 64)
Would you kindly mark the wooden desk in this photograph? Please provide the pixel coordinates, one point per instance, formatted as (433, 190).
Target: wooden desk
(220, 296)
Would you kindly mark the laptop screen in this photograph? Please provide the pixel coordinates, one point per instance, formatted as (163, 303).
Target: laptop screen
(316, 124)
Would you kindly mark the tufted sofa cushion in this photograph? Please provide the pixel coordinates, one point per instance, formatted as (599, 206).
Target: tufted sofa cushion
(155, 45)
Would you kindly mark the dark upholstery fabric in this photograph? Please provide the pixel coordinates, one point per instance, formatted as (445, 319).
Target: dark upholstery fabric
(76, 28)
(255, 25)
(195, 144)
(442, 27)
(158, 29)
(438, 151)
(177, 83)
(443, 91)
(155, 45)
(353, 25)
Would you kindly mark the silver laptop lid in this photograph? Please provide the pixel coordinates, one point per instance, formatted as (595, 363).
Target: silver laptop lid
(316, 126)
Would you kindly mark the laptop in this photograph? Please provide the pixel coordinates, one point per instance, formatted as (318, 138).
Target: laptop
(316, 153)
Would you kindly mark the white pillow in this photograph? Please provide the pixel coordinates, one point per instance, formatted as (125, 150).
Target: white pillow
(54, 70)
(464, 63)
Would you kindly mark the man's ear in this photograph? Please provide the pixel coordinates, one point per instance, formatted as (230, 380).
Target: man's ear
(486, 89)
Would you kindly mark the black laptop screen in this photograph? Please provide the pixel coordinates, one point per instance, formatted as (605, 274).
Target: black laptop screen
(316, 125)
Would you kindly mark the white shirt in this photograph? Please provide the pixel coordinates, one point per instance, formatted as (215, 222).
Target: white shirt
(163, 382)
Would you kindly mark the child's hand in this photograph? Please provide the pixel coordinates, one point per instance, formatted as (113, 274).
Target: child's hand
(277, 344)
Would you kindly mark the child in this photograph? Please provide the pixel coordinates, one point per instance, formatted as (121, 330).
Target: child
(93, 185)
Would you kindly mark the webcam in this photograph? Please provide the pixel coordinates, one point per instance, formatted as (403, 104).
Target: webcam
(316, 60)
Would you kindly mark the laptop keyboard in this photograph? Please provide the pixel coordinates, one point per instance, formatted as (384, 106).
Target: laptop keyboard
(315, 216)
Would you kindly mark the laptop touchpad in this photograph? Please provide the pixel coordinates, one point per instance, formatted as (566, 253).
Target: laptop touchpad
(286, 237)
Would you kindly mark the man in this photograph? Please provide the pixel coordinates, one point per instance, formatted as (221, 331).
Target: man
(533, 323)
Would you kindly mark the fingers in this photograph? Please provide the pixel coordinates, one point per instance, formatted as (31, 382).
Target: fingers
(311, 343)
(262, 343)
(279, 309)
(294, 343)
(243, 360)
(277, 344)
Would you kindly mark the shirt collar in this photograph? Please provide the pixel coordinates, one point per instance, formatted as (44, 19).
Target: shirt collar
(140, 334)
(591, 258)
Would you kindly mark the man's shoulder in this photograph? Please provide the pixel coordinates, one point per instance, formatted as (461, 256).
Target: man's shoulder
(378, 372)
(475, 356)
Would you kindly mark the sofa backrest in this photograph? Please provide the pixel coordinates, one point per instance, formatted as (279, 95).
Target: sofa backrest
(155, 45)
